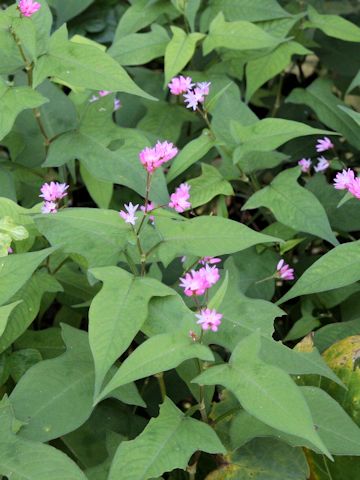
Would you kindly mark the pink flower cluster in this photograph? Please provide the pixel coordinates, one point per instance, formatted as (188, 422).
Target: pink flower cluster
(129, 213)
(179, 199)
(196, 282)
(306, 163)
(284, 271)
(209, 319)
(28, 7)
(193, 96)
(346, 180)
(153, 158)
(323, 164)
(52, 193)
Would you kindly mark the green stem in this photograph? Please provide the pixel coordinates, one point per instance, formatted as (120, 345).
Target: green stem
(277, 103)
(29, 72)
(162, 386)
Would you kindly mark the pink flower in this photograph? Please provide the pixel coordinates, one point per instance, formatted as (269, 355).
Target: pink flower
(343, 179)
(210, 260)
(53, 191)
(305, 164)
(322, 165)
(117, 104)
(203, 88)
(284, 271)
(324, 144)
(354, 187)
(153, 158)
(129, 215)
(150, 206)
(194, 283)
(104, 93)
(49, 207)
(10, 250)
(193, 98)
(28, 7)
(179, 85)
(209, 319)
(179, 199)
(210, 274)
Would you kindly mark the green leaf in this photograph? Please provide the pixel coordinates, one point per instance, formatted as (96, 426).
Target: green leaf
(140, 48)
(209, 185)
(251, 10)
(101, 192)
(53, 397)
(217, 299)
(336, 429)
(14, 100)
(68, 10)
(270, 133)
(354, 115)
(354, 83)
(9, 52)
(167, 443)
(5, 312)
(117, 314)
(265, 391)
(204, 236)
(318, 97)
(264, 459)
(333, 25)
(337, 268)
(190, 154)
(78, 65)
(179, 51)
(22, 459)
(28, 299)
(293, 205)
(121, 166)
(262, 69)
(140, 14)
(253, 161)
(96, 235)
(15, 270)
(240, 35)
(157, 354)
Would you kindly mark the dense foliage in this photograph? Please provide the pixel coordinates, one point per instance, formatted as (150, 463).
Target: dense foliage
(179, 239)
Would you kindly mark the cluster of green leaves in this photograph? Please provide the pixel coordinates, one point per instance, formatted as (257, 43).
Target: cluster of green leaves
(100, 379)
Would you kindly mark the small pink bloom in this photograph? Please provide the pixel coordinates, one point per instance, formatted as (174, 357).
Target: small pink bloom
(10, 250)
(104, 93)
(150, 206)
(324, 144)
(53, 191)
(210, 260)
(210, 274)
(129, 215)
(28, 7)
(179, 199)
(153, 158)
(284, 271)
(194, 283)
(354, 187)
(193, 98)
(305, 164)
(117, 104)
(179, 85)
(203, 88)
(344, 179)
(209, 319)
(49, 207)
(322, 165)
